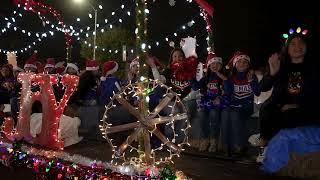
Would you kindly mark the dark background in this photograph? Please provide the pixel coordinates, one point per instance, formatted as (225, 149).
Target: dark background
(253, 26)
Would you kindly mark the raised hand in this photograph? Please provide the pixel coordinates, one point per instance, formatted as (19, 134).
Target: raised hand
(274, 64)
(287, 107)
(221, 76)
(150, 61)
(250, 75)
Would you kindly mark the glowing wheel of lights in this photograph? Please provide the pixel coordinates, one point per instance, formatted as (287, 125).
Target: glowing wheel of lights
(146, 123)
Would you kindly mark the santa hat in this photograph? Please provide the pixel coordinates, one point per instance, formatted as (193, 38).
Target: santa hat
(73, 66)
(50, 63)
(60, 67)
(40, 67)
(109, 67)
(212, 57)
(236, 57)
(134, 62)
(31, 62)
(91, 65)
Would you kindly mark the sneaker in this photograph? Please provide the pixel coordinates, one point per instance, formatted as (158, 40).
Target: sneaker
(203, 145)
(213, 146)
(261, 155)
(255, 140)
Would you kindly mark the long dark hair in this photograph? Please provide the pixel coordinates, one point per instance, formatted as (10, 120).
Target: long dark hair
(234, 70)
(209, 72)
(87, 81)
(284, 54)
(285, 58)
(10, 68)
(171, 54)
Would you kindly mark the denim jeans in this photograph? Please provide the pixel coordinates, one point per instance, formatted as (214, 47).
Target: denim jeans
(206, 124)
(233, 125)
(178, 125)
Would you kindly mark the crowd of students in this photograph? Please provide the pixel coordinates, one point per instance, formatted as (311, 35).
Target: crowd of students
(225, 97)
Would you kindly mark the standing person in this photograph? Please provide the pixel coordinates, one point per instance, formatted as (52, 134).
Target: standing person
(15, 94)
(72, 69)
(49, 68)
(109, 83)
(60, 67)
(6, 83)
(293, 80)
(240, 87)
(178, 75)
(31, 65)
(133, 73)
(88, 84)
(206, 126)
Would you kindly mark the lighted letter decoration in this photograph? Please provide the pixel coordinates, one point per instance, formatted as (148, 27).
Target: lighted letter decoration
(51, 110)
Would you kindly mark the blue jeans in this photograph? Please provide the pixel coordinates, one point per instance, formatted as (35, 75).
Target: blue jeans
(206, 124)
(233, 125)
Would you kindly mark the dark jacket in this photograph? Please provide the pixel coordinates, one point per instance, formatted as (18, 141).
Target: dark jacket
(307, 95)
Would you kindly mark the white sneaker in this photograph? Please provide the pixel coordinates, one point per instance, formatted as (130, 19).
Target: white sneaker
(261, 155)
(255, 140)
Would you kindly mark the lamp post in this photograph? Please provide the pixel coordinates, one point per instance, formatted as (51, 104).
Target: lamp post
(95, 26)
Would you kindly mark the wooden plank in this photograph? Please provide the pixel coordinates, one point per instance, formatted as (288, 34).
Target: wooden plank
(163, 120)
(124, 127)
(161, 105)
(129, 107)
(147, 147)
(163, 138)
(129, 140)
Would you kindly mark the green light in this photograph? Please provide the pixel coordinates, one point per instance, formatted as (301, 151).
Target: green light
(47, 170)
(285, 36)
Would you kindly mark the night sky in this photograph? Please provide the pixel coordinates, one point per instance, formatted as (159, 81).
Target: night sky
(252, 26)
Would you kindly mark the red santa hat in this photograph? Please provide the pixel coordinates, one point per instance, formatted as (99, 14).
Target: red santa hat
(60, 67)
(50, 63)
(91, 65)
(109, 67)
(236, 57)
(73, 66)
(212, 57)
(31, 62)
(134, 62)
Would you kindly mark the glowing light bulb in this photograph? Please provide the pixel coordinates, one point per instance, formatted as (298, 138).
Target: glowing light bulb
(298, 30)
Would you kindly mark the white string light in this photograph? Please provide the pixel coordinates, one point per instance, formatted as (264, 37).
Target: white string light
(153, 117)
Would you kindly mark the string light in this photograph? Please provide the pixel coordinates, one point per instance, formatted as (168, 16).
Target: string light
(22, 50)
(75, 33)
(149, 121)
(71, 166)
(298, 30)
(52, 110)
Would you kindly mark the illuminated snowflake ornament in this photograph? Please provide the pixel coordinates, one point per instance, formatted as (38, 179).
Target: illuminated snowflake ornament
(150, 127)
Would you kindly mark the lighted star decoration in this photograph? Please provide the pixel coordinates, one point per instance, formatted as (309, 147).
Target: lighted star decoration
(145, 125)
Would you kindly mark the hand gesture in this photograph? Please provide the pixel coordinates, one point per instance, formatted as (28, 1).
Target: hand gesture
(287, 107)
(250, 75)
(150, 61)
(274, 64)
